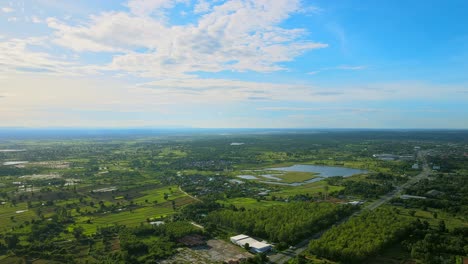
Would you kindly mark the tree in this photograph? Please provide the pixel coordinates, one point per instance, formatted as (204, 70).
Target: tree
(12, 241)
(247, 246)
(325, 189)
(78, 232)
(442, 227)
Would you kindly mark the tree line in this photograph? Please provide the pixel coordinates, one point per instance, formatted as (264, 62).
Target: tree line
(289, 223)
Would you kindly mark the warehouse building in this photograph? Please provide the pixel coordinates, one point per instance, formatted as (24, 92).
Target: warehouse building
(255, 246)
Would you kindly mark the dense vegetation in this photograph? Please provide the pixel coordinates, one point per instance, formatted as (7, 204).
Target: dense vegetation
(375, 185)
(286, 223)
(142, 244)
(361, 236)
(446, 192)
(434, 245)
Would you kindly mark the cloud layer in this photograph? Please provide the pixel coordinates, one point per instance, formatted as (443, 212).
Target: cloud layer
(236, 35)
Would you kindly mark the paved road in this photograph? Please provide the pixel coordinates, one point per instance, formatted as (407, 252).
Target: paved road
(285, 256)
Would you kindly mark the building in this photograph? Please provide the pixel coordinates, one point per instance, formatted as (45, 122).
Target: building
(237, 238)
(406, 197)
(406, 157)
(385, 157)
(415, 166)
(355, 202)
(255, 246)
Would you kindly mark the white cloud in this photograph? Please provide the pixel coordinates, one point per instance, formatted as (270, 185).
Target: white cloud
(202, 6)
(7, 9)
(17, 55)
(14, 53)
(236, 35)
(147, 7)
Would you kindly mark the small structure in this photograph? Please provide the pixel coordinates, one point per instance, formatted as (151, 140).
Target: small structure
(156, 223)
(436, 167)
(255, 246)
(406, 197)
(355, 202)
(415, 166)
(385, 157)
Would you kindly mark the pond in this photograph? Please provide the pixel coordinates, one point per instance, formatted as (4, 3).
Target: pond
(321, 170)
(247, 177)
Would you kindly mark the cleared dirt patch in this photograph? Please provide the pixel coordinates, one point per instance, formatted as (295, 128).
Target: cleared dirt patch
(216, 251)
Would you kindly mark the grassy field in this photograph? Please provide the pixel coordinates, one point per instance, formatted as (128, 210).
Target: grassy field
(20, 213)
(249, 203)
(128, 218)
(172, 191)
(311, 188)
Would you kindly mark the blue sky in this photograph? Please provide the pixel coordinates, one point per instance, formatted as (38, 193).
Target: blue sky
(234, 63)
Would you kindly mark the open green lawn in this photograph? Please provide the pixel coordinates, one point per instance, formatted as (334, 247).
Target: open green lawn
(309, 188)
(249, 203)
(20, 213)
(158, 194)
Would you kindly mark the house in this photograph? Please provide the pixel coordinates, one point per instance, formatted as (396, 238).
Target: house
(415, 166)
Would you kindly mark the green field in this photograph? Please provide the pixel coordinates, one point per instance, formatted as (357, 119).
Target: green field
(313, 189)
(20, 214)
(172, 191)
(249, 203)
(128, 218)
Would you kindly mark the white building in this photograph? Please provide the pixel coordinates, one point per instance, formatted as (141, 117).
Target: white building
(255, 246)
(236, 239)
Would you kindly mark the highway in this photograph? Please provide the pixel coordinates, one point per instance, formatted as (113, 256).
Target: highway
(285, 256)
